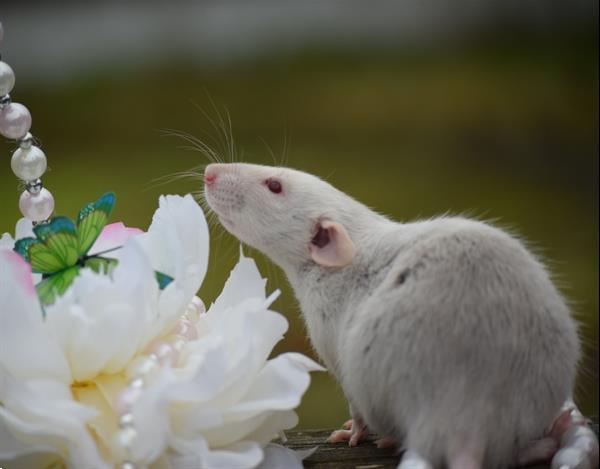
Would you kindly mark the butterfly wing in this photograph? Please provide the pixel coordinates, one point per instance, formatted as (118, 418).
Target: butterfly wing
(55, 285)
(91, 219)
(55, 248)
(22, 247)
(162, 279)
(101, 265)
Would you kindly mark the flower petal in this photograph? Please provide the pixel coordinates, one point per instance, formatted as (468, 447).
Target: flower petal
(240, 455)
(6, 241)
(112, 236)
(11, 447)
(279, 386)
(244, 282)
(177, 242)
(24, 228)
(26, 350)
(277, 457)
(103, 321)
(43, 414)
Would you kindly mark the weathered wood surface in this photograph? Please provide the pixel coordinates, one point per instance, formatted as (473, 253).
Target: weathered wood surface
(340, 456)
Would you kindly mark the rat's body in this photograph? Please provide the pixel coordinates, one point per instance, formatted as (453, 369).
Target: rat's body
(445, 334)
(448, 332)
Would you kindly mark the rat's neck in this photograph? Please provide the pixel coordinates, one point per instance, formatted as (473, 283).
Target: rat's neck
(329, 297)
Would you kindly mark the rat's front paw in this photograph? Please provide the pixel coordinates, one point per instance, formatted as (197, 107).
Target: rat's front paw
(354, 431)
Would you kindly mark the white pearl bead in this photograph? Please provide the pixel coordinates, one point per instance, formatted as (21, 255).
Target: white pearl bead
(122, 442)
(126, 399)
(141, 367)
(570, 457)
(177, 343)
(7, 78)
(572, 434)
(186, 329)
(136, 383)
(37, 207)
(165, 352)
(126, 437)
(195, 309)
(15, 121)
(28, 163)
(126, 420)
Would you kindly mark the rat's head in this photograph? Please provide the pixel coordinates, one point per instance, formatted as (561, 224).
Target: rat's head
(291, 216)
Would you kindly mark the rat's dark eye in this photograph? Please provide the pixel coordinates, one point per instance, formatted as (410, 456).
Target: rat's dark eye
(274, 185)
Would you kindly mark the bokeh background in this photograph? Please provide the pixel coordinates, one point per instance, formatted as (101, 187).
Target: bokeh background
(415, 107)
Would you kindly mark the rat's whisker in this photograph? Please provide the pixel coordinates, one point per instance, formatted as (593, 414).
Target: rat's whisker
(270, 150)
(229, 133)
(217, 123)
(285, 151)
(197, 144)
(177, 176)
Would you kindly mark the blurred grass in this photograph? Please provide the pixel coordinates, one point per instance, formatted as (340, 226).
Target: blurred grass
(504, 131)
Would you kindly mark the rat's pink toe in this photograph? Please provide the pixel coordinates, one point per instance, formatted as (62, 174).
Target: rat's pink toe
(561, 423)
(348, 424)
(386, 442)
(339, 436)
(538, 452)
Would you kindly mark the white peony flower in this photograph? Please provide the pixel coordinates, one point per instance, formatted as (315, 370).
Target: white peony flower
(119, 371)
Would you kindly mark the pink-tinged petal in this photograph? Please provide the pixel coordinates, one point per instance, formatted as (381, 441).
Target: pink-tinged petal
(26, 349)
(21, 271)
(112, 236)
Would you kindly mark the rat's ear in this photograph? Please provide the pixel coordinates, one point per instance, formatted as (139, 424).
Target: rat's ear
(332, 246)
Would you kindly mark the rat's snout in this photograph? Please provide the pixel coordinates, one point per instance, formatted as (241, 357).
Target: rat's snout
(209, 178)
(222, 187)
(211, 172)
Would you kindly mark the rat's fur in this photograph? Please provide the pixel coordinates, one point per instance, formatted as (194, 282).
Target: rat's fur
(445, 333)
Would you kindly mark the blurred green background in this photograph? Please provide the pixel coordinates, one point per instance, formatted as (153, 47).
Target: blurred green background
(498, 121)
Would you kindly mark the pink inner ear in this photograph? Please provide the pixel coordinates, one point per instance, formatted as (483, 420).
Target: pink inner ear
(340, 249)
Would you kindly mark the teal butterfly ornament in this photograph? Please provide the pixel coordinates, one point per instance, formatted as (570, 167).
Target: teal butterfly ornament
(60, 249)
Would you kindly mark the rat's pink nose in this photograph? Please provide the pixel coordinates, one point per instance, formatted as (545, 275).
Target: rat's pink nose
(210, 177)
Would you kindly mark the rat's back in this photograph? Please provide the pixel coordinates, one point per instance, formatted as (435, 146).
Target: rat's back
(476, 348)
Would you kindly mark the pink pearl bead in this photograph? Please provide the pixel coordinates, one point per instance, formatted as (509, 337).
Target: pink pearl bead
(198, 304)
(37, 207)
(165, 353)
(7, 78)
(15, 121)
(185, 329)
(126, 399)
(195, 309)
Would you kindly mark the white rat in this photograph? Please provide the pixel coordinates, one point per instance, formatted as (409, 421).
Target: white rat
(446, 334)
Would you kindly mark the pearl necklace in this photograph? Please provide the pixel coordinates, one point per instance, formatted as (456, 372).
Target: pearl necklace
(28, 161)
(37, 204)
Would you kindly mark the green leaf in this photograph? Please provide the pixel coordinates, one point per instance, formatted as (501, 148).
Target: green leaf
(101, 265)
(91, 219)
(162, 279)
(55, 285)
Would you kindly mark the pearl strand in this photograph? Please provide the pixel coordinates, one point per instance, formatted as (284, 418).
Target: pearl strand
(141, 371)
(28, 161)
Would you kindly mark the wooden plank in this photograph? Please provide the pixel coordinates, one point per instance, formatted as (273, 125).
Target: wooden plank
(340, 456)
